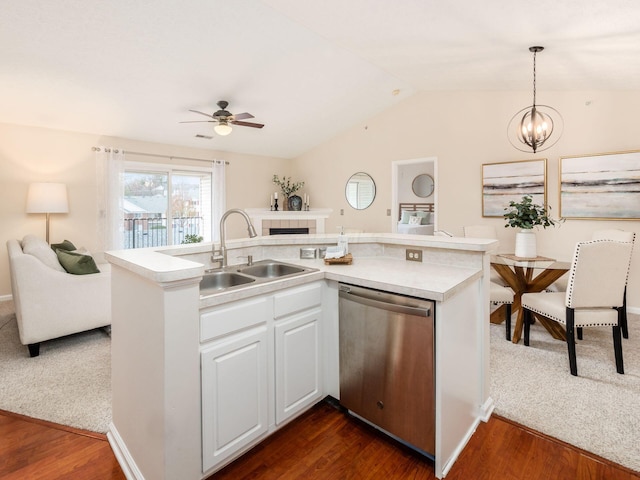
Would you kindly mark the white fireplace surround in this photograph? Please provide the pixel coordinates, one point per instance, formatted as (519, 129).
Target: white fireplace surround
(264, 219)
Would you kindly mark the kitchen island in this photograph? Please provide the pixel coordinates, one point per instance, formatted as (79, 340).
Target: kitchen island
(197, 381)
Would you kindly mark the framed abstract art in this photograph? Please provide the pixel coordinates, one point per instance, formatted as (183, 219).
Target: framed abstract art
(507, 181)
(600, 186)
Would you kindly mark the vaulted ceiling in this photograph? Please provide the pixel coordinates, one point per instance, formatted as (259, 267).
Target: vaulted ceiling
(307, 70)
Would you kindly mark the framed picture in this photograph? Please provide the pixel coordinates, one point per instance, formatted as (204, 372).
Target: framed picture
(507, 181)
(600, 186)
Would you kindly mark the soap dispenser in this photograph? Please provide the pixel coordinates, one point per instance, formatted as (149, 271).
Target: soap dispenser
(343, 242)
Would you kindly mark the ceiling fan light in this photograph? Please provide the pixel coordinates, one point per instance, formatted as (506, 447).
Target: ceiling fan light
(223, 129)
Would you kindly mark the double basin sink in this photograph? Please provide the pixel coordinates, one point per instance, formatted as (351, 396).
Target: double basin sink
(215, 281)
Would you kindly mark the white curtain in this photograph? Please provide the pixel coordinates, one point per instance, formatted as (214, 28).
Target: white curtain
(218, 196)
(110, 188)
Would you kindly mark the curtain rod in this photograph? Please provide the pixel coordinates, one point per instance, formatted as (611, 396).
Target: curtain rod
(170, 157)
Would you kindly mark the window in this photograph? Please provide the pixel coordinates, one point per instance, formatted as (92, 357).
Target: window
(166, 206)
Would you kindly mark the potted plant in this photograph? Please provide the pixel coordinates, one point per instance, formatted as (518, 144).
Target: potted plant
(525, 215)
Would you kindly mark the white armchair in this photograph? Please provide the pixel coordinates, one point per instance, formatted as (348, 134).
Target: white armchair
(50, 302)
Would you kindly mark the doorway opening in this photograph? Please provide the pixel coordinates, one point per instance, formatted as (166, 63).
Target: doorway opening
(405, 176)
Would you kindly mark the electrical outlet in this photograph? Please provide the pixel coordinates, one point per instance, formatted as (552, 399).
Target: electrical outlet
(413, 255)
(388, 212)
(342, 211)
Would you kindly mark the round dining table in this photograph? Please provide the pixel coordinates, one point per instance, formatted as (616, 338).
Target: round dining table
(525, 275)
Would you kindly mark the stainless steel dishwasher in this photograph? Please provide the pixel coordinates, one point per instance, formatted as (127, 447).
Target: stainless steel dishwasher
(387, 363)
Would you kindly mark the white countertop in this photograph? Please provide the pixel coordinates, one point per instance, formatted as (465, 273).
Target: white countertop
(434, 281)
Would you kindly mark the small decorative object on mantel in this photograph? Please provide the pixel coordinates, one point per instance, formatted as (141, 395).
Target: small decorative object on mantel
(525, 215)
(294, 202)
(288, 190)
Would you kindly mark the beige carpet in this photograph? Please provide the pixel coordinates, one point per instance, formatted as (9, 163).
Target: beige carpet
(598, 411)
(69, 383)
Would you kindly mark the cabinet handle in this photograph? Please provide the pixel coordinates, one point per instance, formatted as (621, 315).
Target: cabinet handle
(380, 404)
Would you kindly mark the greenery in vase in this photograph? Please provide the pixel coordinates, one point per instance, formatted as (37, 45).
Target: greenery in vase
(525, 214)
(286, 186)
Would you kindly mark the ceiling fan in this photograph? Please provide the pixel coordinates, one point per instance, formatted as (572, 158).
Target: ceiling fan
(224, 119)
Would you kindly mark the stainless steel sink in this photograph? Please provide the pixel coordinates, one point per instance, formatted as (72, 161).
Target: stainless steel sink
(221, 280)
(271, 269)
(261, 272)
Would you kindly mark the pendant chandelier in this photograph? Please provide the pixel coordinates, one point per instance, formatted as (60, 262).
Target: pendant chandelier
(537, 127)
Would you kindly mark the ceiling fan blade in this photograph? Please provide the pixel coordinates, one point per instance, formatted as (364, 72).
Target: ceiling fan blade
(199, 121)
(242, 116)
(248, 124)
(202, 113)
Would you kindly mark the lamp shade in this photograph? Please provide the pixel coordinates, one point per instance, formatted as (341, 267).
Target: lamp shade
(47, 198)
(223, 129)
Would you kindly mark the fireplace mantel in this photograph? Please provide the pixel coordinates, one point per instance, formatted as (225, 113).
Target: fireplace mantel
(263, 219)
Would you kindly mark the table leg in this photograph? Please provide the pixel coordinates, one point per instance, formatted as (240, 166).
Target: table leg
(517, 330)
(497, 316)
(554, 328)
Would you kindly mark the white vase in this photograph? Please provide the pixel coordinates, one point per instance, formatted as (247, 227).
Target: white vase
(526, 244)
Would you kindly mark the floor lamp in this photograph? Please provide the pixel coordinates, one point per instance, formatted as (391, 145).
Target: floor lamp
(47, 198)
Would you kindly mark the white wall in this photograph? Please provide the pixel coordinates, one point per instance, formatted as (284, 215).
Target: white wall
(463, 130)
(30, 154)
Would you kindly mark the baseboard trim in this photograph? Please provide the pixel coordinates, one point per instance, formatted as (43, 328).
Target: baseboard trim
(124, 458)
(446, 466)
(6, 298)
(487, 409)
(634, 310)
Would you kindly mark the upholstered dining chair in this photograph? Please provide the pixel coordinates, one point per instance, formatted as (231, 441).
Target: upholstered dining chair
(619, 236)
(499, 292)
(594, 295)
(606, 234)
(499, 295)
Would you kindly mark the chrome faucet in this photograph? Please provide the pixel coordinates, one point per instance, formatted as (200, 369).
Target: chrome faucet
(221, 254)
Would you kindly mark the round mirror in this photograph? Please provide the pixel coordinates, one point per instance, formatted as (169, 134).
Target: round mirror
(360, 190)
(422, 185)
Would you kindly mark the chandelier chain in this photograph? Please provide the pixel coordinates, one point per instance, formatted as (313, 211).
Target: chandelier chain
(534, 78)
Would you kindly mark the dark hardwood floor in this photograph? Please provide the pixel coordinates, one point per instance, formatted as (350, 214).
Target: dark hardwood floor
(324, 443)
(38, 450)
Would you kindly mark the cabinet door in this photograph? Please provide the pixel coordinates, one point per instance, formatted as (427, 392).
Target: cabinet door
(234, 395)
(297, 362)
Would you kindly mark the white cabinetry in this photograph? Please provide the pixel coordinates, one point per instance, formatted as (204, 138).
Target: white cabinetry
(235, 391)
(297, 350)
(257, 354)
(235, 395)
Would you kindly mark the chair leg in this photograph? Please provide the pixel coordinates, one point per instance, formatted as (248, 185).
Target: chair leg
(617, 343)
(571, 341)
(526, 317)
(34, 349)
(579, 330)
(623, 323)
(507, 320)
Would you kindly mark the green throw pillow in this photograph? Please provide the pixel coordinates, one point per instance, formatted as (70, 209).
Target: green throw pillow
(77, 263)
(424, 217)
(66, 245)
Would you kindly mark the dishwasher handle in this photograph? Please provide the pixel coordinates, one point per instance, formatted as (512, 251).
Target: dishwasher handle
(348, 294)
